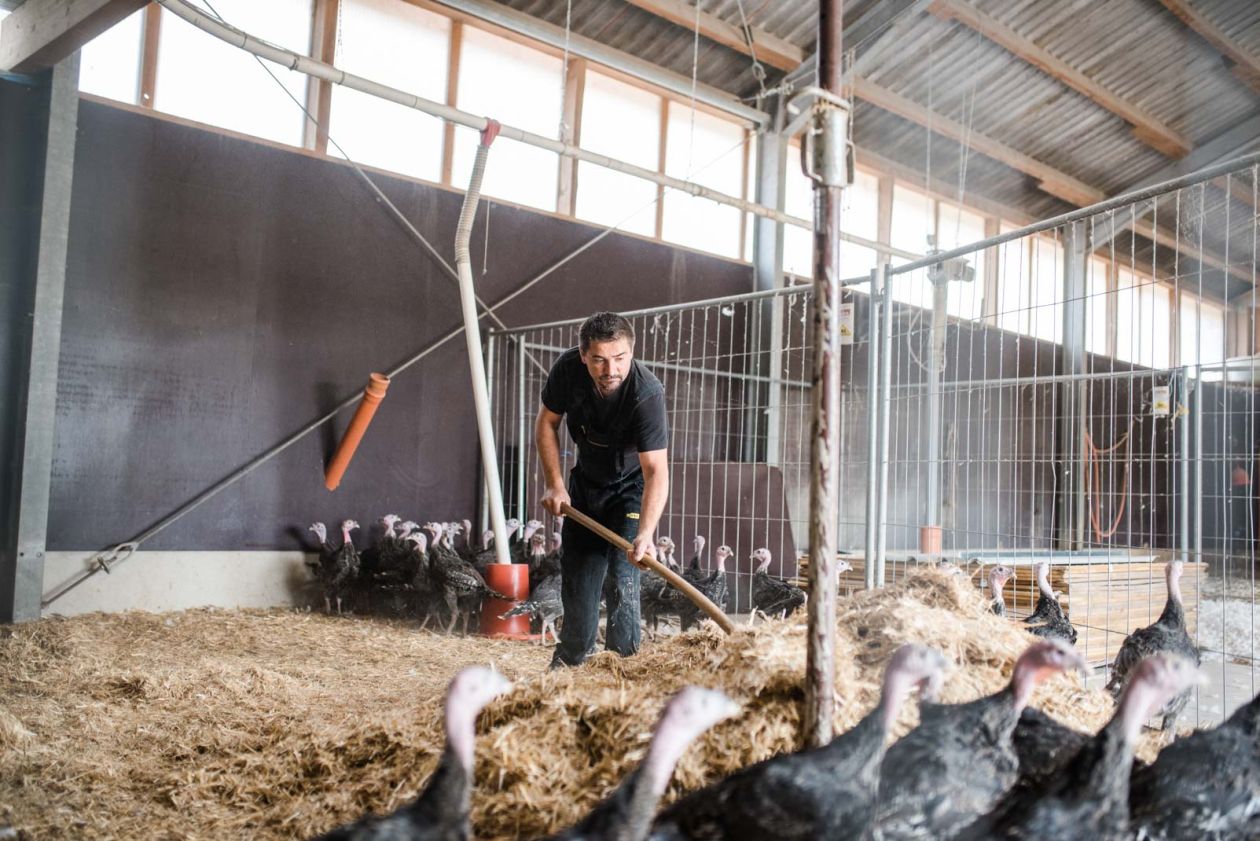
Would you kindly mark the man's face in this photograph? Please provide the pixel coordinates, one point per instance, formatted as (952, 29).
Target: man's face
(608, 364)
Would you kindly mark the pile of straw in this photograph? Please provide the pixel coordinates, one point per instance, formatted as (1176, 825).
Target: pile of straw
(283, 724)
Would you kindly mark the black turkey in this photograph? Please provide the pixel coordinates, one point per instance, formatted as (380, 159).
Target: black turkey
(1206, 785)
(697, 552)
(656, 597)
(998, 576)
(626, 815)
(326, 549)
(1168, 634)
(422, 584)
(339, 569)
(772, 596)
(1089, 799)
(520, 549)
(827, 792)
(544, 604)
(1045, 595)
(956, 765)
(713, 586)
(542, 564)
(440, 813)
(459, 586)
(1057, 625)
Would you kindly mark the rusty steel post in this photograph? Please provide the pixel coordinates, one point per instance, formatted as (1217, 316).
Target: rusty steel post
(827, 166)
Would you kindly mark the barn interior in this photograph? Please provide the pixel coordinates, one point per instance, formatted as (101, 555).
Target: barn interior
(264, 265)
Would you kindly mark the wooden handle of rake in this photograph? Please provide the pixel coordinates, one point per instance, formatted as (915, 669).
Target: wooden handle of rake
(715, 613)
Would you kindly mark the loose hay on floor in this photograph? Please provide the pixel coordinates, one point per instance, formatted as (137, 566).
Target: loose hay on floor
(282, 724)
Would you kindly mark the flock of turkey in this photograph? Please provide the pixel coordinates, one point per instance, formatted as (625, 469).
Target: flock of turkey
(435, 573)
(992, 768)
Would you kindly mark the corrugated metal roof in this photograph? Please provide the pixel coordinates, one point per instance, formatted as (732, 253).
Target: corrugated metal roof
(1136, 49)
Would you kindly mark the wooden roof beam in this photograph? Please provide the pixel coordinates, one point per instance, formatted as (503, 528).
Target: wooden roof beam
(1146, 128)
(40, 33)
(1244, 65)
(770, 49)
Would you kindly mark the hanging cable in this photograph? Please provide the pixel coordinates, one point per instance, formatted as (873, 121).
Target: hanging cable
(758, 71)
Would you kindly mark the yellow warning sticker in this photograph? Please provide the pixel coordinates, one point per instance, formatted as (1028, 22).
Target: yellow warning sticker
(633, 515)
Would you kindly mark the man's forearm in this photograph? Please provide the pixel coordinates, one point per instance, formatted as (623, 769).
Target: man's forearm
(655, 492)
(548, 442)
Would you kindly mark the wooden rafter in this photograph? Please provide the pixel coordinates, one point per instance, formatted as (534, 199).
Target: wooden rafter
(1146, 128)
(770, 49)
(40, 33)
(1243, 64)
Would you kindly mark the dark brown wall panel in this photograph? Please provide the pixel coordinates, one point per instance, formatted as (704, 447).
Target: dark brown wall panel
(222, 293)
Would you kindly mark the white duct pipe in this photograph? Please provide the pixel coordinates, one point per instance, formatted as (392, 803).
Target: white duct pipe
(319, 70)
(472, 335)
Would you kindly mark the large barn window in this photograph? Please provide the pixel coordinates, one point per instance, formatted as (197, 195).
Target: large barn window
(1046, 294)
(913, 221)
(711, 155)
(1013, 299)
(109, 64)
(518, 86)
(1096, 305)
(1143, 313)
(406, 47)
(859, 215)
(202, 78)
(623, 122)
(1201, 329)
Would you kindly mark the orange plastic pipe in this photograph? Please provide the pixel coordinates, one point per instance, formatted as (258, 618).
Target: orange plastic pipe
(372, 397)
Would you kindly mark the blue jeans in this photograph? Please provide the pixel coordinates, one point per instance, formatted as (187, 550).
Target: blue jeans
(587, 559)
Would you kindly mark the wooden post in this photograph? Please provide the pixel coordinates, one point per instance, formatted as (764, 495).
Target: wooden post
(820, 668)
(571, 133)
(149, 54)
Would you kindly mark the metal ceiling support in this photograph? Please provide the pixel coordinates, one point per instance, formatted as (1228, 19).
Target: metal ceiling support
(826, 151)
(588, 48)
(771, 189)
(1073, 392)
(23, 580)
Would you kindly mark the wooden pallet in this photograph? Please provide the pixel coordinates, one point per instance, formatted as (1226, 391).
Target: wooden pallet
(1104, 597)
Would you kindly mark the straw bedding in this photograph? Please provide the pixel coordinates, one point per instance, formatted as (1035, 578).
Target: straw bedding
(280, 724)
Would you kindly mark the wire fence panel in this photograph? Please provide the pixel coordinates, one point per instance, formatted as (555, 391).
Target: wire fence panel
(1084, 395)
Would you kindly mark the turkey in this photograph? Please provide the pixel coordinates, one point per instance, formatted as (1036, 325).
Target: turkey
(1045, 596)
(1089, 798)
(519, 551)
(713, 586)
(326, 549)
(440, 813)
(626, 814)
(544, 604)
(459, 587)
(827, 792)
(772, 596)
(486, 555)
(665, 552)
(339, 569)
(656, 597)
(421, 577)
(393, 558)
(998, 576)
(1057, 626)
(1167, 634)
(956, 765)
(542, 564)
(697, 552)
(1206, 785)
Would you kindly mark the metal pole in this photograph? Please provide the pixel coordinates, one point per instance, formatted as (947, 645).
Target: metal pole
(830, 162)
(1072, 497)
(1196, 416)
(885, 413)
(873, 395)
(929, 536)
(22, 571)
(1187, 396)
(483, 515)
(768, 274)
(522, 445)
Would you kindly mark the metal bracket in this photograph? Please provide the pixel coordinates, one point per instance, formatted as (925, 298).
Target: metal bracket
(827, 154)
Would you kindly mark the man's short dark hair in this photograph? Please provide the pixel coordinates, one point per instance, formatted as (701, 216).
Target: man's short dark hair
(605, 327)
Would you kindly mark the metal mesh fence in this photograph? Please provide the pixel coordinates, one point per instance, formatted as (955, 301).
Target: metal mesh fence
(1083, 395)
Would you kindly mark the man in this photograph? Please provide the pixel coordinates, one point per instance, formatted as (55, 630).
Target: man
(616, 416)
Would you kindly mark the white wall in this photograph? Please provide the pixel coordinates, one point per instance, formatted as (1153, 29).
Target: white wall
(160, 581)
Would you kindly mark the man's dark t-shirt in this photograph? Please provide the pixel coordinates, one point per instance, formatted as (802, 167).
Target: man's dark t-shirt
(610, 433)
